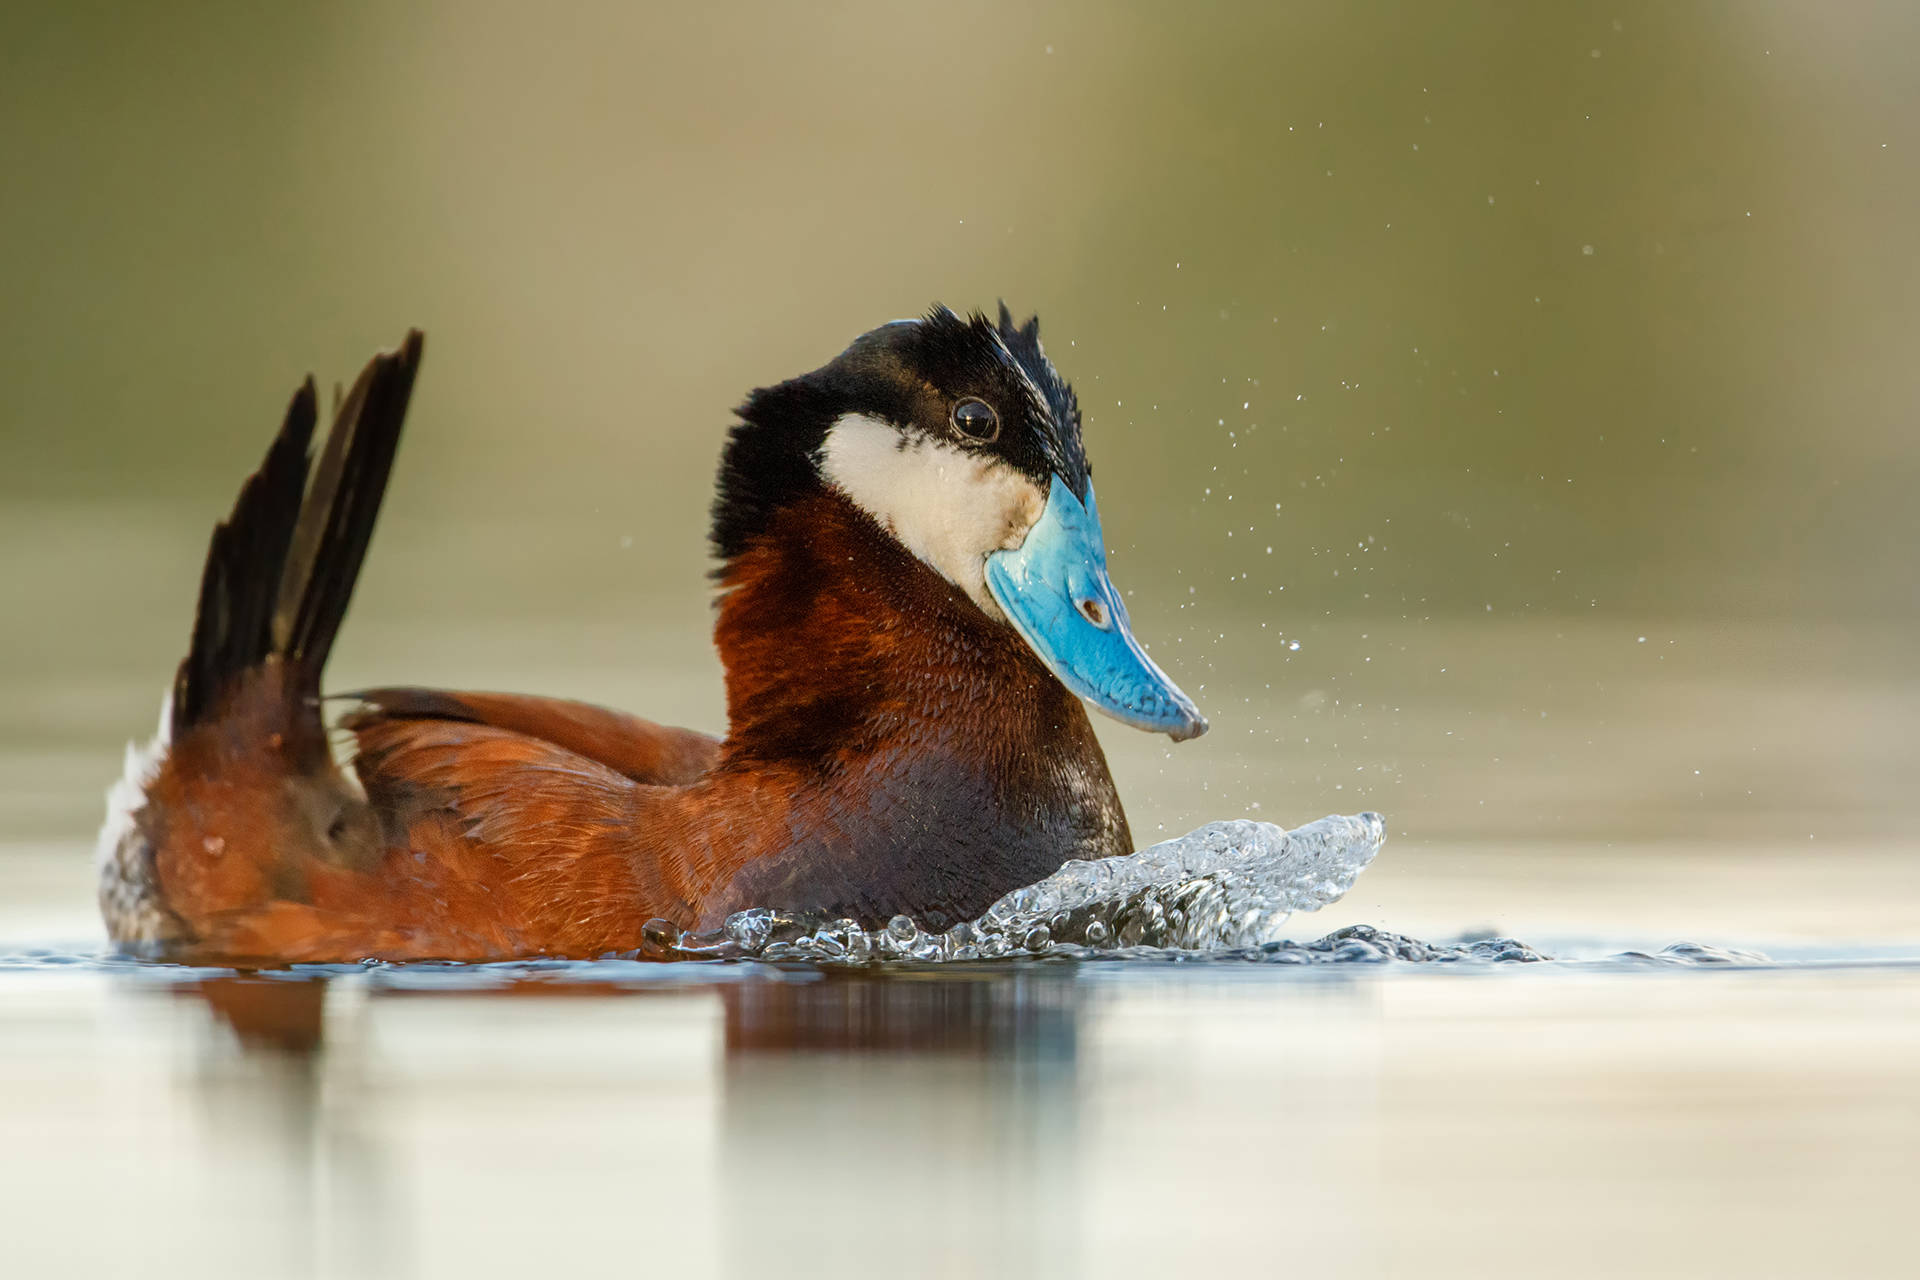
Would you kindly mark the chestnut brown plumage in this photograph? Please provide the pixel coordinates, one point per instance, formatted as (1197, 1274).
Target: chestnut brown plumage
(891, 747)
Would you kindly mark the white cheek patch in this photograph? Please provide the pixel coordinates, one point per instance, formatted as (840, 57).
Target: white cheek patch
(949, 507)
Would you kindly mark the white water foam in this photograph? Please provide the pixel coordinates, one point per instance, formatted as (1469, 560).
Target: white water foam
(1225, 886)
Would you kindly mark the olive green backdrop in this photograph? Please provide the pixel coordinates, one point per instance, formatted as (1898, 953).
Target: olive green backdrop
(1462, 345)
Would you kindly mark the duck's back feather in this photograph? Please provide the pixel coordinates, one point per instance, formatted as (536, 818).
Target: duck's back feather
(657, 754)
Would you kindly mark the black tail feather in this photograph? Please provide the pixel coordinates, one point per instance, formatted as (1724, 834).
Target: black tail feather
(281, 568)
(336, 523)
(232, 629)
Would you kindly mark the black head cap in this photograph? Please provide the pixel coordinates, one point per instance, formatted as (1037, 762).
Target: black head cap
(913, 374)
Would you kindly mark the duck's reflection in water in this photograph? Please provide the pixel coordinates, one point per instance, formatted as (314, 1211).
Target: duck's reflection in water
(268, 1015)
(754, 1119)
(301, 1180)
(945, 1106)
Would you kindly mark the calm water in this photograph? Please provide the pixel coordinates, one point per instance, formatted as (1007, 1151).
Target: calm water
(1050, 1118)
(1504, 420)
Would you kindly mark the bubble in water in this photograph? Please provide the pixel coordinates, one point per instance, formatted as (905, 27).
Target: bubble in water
(750, 929)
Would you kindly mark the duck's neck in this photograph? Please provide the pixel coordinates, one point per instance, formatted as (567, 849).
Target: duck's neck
(919, 720)
(834, 636)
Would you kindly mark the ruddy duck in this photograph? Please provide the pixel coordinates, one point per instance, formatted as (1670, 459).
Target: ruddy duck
(914, 603)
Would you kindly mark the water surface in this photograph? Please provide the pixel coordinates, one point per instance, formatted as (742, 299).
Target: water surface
(1058, 1118)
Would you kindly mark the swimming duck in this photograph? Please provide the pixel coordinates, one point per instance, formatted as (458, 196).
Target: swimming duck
(914, 610)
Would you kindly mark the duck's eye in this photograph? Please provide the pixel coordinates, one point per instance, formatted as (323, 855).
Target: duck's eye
(976, 421)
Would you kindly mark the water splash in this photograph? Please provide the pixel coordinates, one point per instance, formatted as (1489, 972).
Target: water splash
(1227, 886)
(1355, 944)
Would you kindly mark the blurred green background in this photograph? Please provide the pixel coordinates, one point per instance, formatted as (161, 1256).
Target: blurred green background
(1544, 373)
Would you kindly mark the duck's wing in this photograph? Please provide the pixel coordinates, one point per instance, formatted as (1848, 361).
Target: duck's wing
(648, 753)
(499, 845)
(499, 842)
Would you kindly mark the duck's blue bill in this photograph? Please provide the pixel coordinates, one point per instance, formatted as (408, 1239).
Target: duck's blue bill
(1056, 591)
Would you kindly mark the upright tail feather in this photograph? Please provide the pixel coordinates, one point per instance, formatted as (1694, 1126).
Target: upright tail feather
(336, 524)
(238, 797)
(232, 628)
(281, 568)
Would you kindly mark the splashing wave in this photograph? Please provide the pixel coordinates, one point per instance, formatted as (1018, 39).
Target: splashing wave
(1226, 886)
